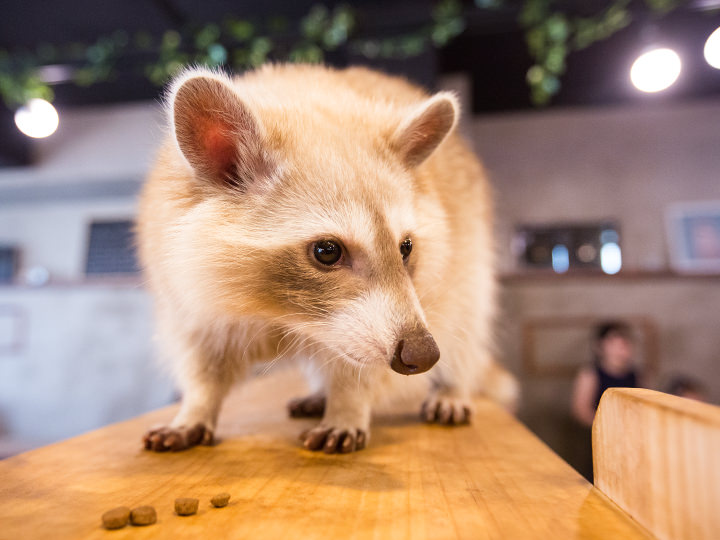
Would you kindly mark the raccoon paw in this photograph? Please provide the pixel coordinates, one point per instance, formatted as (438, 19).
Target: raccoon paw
(333, 440)
(164, 438)
(312, 406)
(446, 410)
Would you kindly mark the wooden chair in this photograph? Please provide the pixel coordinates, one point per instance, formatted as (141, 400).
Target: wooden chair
(657, 457)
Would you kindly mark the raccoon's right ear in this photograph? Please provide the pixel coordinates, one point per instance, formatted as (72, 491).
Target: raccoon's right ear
(216, 132)
(425, 128)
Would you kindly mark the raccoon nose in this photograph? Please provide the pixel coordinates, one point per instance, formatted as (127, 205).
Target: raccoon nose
(415, 353)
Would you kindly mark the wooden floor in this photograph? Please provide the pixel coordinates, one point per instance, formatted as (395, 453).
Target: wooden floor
(491, 480)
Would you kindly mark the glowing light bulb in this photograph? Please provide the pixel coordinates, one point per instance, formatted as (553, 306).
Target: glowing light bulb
(610, 258)
(37, 119)
(655, 70)
(560, 259)
(712, 49)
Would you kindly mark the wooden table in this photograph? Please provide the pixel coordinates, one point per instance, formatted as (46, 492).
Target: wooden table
(491, 480)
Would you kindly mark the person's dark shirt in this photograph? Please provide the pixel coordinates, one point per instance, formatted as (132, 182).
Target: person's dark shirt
(605, 381)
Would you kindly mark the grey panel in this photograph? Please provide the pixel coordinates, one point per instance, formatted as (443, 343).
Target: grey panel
(68, 192)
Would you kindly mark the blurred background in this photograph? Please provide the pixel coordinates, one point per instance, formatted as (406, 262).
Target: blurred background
(598, 122)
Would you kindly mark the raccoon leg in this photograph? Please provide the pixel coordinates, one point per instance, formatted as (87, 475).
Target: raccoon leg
(311, 406)
(346, 421)
(446, 406)
(203, 393)
(449, 401)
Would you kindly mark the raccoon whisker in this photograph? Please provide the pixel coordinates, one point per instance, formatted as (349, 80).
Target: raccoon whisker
(316, 310)
(295, 331)
(333, 357)
(301, 342)
(290, 350)
(262, 328)
(252, 339)
(461, 339)
(438, 284)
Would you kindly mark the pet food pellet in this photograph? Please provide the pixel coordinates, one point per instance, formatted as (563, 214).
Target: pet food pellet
(143, 515)
(185, 506)
(116, 518)
(220, 500)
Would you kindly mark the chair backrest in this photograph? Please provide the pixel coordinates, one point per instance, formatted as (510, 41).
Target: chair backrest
(657, 457)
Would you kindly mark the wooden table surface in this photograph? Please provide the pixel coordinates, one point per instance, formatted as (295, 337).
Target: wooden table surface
(491, 480)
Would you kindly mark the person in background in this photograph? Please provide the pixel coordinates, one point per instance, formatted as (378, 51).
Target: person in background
(612, 367)
(686, 387)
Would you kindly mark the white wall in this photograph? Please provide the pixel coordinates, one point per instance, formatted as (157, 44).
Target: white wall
(85, 360)
(85, 355)
(627, 163)
(55, 235)
(93, 144)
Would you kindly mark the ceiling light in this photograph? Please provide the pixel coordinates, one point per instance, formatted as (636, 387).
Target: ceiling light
(37, 119)
(655, 70)
(712, 49)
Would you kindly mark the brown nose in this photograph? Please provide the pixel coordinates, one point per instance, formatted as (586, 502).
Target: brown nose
(415, 353)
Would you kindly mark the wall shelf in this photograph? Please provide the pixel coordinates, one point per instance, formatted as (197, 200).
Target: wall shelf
(530, 277)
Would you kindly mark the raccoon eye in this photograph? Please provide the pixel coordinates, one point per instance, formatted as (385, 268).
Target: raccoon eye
(405, 248)
(327, 252)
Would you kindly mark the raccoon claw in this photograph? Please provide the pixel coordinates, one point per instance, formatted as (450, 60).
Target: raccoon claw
(165, 438)
(333, 440)
(446, 411)
(312, 406)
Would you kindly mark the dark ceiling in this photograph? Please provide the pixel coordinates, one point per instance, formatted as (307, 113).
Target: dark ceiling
(491, 50)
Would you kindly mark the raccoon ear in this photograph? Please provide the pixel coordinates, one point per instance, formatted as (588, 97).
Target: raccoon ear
(215, 130)
(425, 128)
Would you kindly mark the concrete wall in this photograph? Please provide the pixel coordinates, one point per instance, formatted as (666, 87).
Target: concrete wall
(626, 164)
(75, 356)
(84, 359)
(54, 235)
(93, 144)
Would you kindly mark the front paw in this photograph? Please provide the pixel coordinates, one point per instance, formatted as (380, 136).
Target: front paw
(446, 410)
(162, 439)
(312, 406)
(332, 440)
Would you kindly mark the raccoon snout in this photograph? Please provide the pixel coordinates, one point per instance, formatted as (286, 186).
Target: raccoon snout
(416, 352)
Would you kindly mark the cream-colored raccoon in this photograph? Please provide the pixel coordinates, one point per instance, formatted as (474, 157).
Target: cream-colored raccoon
(329, 215)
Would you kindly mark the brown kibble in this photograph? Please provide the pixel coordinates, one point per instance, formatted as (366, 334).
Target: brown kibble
(220, 500)
(143, 515)
(116, 518)
(186, 506)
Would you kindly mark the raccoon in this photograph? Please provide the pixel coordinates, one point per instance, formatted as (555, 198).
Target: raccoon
(331, 216)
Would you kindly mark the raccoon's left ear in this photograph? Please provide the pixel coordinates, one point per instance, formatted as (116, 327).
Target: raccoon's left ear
(217, 133)
(425, 128)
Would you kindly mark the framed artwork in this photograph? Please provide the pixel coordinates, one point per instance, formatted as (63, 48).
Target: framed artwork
(111, 248)
(694, 237)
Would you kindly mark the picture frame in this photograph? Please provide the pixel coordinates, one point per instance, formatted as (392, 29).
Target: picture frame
(693, 231)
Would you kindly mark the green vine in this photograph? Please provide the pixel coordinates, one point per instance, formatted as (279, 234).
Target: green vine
(550, 32)
(551, 35)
